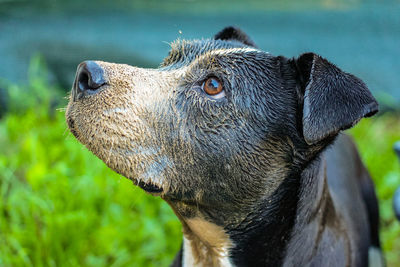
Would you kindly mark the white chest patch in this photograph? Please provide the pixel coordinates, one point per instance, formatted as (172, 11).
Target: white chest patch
(205, 245)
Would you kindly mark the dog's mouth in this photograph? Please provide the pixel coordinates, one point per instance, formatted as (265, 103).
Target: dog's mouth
(149, 187)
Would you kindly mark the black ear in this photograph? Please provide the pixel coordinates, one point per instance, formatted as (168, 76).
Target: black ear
(333, 100)
(233, 33)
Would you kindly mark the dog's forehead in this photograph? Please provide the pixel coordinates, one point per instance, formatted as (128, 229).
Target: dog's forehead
(184, 51)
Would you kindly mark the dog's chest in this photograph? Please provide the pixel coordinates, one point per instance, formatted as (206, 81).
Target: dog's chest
(205, 244)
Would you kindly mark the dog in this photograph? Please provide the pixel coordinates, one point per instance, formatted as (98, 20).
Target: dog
(244, 146)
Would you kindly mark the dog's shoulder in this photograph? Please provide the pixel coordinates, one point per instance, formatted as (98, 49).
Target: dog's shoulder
(346, 176)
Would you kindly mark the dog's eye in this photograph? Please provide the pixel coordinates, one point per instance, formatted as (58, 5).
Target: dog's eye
(213, 87)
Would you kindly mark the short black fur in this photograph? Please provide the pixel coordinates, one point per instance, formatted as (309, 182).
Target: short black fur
(263, 241)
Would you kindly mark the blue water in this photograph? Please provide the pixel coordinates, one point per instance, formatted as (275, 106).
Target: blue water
(361, 39)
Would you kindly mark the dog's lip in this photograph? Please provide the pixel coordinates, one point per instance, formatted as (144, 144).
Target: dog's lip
(149, 187)
(76, 95)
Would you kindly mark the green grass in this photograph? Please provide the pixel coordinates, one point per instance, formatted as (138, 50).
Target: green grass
(61, 206)
(375, 138)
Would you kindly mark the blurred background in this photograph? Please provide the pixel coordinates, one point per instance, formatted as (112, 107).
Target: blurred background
(61, 206)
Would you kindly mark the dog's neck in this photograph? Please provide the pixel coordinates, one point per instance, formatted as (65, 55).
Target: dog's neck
(317, 222)
(269, 232)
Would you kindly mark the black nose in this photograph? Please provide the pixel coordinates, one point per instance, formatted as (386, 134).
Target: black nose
(88, 80)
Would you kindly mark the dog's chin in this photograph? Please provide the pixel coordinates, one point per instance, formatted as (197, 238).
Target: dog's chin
(146, 184)
(149, 185)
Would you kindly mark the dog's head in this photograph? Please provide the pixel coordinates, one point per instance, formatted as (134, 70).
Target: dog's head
(219, 125)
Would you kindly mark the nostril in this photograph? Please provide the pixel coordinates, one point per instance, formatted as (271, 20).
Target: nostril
(83, 82)
(89, 78)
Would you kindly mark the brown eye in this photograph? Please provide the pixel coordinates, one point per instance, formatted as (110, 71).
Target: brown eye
(213, 86)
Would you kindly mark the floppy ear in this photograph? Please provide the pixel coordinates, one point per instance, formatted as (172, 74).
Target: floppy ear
(333, 100)
(234, 34)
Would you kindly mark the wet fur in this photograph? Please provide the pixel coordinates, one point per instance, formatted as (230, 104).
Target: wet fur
(254, 167)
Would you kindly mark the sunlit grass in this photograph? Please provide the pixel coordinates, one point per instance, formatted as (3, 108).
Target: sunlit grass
(375, 138)
(61, 205)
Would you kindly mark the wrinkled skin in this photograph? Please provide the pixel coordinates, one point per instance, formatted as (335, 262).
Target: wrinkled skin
(224, 161)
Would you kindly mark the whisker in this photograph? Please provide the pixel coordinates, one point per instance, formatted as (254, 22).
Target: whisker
(109, 152)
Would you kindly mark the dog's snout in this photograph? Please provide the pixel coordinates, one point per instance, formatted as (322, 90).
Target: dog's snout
(89, 79)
